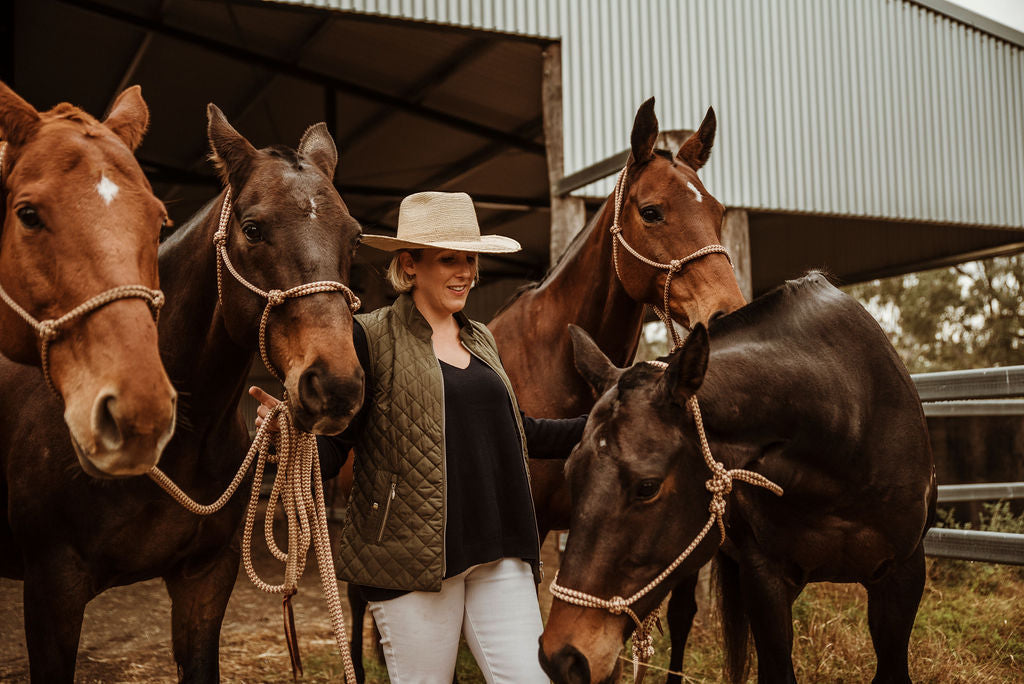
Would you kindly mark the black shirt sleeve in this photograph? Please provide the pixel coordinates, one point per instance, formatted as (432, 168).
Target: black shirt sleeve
(552, 437)
(334, 449)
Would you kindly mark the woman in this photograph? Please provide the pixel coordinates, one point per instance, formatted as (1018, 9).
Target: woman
(440, 533)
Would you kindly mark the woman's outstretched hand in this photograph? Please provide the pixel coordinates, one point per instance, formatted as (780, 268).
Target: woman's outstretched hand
(267, 402)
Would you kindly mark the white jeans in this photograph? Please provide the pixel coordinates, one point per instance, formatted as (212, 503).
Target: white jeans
(494, 604)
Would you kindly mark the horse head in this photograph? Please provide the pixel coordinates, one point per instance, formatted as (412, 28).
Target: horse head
(79, 221)
(667, 214)
(636, 504)
(287, 227)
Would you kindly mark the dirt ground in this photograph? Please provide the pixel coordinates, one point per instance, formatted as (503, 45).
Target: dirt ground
(126, 636)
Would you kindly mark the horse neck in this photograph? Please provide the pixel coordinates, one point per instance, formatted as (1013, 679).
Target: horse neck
(583, 289)
(206, 366)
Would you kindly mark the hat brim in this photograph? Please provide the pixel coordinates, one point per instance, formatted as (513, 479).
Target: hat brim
(487, 244)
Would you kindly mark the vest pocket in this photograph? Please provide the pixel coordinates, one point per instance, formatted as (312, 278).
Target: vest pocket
(384, 489)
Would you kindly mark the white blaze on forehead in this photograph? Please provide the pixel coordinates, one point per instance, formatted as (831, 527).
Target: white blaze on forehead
(108, 189)
(312, 208)
(696, 192)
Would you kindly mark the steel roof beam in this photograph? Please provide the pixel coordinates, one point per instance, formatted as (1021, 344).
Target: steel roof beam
(302, 73)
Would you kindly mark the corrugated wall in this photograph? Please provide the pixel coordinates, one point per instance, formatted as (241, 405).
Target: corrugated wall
(878, 108)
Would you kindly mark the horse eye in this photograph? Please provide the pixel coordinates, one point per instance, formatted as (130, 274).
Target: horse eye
(651, 214)
(30, 218)
(647, 490)
(251, 232)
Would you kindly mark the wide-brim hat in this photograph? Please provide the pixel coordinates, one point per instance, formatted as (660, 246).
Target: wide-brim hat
(444, 220)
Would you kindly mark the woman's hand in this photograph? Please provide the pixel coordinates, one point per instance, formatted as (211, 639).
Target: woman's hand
(267, 402)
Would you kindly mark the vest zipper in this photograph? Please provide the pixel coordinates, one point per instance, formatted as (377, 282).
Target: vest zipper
(444, 476)
(387, 508)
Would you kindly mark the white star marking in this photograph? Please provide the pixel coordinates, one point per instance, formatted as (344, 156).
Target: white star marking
(108, 189)
(696, 192)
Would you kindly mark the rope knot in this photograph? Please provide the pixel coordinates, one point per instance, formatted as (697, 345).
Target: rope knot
(275, 297)
(220, 238)
(157, 301)
(615, 229)
(48, 330)
(617, 605)
(675, 265)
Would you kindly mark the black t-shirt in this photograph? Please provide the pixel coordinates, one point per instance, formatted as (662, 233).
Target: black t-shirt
(488, 500)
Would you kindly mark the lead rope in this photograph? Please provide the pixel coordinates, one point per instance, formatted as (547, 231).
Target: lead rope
(719, 485)
(50, 329)
(671, 268)
(298, 466)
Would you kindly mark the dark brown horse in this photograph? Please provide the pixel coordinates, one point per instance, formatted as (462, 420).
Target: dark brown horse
(71, 537)
(802, 387)
(79, 220)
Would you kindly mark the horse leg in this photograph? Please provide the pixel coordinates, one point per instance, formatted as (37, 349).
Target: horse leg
(768, 599)
(199, 591)
(892, 608)
(682, 607)
(55, 594)
(357, 606)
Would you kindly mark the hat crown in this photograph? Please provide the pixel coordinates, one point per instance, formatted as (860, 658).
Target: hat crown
(432, 216)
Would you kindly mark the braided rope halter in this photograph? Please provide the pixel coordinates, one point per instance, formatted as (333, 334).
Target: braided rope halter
(671, 268)
(297, 484)
(719, 485)
(50, 329)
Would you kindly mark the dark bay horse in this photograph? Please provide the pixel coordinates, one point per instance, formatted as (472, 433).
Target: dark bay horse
(80, 226)
(70, 537)
(802, 387)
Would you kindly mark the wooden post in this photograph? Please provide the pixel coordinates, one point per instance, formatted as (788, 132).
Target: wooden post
(568, 214)
(736, 238)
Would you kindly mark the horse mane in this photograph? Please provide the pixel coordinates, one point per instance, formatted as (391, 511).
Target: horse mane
(768, 307)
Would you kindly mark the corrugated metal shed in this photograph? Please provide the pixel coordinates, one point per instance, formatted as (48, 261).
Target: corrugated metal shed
(877, 108)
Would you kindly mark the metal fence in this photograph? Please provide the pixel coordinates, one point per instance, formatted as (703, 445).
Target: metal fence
(983, 392)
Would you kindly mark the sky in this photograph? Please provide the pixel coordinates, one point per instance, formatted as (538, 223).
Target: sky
(1009, 12)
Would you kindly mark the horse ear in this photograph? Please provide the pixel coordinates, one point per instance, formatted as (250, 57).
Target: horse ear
(685, 372)
(645, 133)
(230, 151)
(592, 364)
(697, 148)
(129, 117)
(318, 145)
(17, 117)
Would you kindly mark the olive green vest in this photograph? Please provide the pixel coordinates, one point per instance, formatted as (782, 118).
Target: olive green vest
(395, 527)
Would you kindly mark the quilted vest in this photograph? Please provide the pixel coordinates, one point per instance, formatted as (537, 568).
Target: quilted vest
(395, 527)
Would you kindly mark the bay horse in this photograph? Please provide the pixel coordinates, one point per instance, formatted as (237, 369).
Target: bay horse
(68, 537)
(78, 276)
(800, 387)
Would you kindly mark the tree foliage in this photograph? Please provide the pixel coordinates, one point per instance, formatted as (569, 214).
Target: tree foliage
(966, 316)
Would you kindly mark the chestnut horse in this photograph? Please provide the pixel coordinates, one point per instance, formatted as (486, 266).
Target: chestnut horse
(801, 387)
(78, 276)
(71, 537)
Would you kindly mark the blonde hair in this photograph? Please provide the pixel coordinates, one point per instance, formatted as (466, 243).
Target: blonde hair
(402, 282)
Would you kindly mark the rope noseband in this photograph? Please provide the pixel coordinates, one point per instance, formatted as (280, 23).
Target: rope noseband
(671, 268)
(719, 485)
(297, 484)
(50, 329)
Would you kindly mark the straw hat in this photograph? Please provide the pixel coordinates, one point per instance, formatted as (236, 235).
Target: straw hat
(445, 220)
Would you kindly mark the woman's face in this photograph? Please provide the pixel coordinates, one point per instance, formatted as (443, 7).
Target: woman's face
(443, 278)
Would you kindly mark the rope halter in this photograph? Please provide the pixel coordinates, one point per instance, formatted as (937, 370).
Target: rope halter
(297, 483)
(49, 330)
(720, 485)
(273, 297)
(671, 268)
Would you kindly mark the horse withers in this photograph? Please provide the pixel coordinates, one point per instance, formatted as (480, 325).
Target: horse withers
(80, 227)
(69, 537)
(800, 386)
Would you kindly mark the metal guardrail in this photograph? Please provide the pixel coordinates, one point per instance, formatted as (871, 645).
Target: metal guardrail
(988, 491)
(976, 545)
(973, 407)
(980, 383)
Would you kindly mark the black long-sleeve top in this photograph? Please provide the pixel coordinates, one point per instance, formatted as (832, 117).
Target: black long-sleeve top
(486, 484)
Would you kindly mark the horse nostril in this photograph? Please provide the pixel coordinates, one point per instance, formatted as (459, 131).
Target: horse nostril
(311, 391)
(568, 666)
(105, 423)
